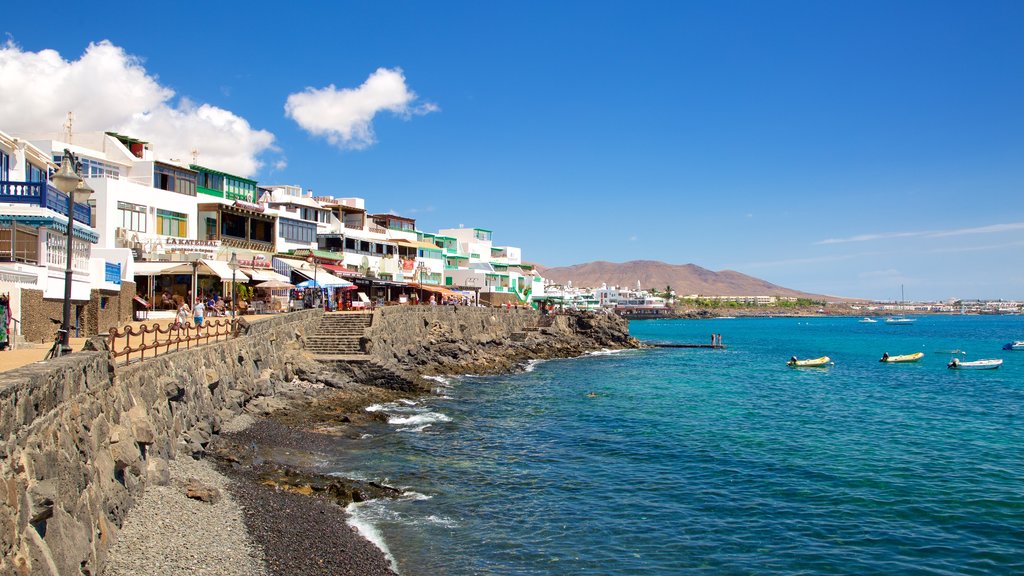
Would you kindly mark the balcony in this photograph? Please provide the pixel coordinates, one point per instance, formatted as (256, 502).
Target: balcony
(44, 195)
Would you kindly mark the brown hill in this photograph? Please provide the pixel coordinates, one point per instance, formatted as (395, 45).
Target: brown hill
(683, 278)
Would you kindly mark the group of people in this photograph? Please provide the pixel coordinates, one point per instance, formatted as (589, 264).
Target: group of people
(201, 309)
(450, 300)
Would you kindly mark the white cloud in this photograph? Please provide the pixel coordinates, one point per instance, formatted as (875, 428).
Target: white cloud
(345, 116)
(993, 228)
(870, 237)
(990, 229)
(108, 89)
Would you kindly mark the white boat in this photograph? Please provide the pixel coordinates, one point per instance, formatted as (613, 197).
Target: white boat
(975, 364)
(900, 319)
(1015, 345)
(867, 320)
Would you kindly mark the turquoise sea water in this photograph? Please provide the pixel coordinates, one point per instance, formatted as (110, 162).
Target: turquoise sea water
(715, 462)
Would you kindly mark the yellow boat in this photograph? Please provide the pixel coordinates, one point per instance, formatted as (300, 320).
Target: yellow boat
(903, 358)
(822, 362)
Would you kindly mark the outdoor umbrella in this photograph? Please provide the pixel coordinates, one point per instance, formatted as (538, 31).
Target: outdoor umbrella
(274, 285)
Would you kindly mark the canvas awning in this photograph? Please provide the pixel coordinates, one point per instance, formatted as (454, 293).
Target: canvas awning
(324, 278)
(415, 244)
(156, 268)
(264, 275)
(221, 268)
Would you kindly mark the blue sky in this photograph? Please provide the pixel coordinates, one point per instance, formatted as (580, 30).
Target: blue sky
(839, 148)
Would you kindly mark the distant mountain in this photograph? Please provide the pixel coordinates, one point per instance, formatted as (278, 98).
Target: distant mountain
(683, 278)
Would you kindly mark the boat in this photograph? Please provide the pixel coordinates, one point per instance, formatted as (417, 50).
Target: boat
(867, 320)
(900, 319)
(901, 358)
(1015, 345)
(975, 364)
(822, 362)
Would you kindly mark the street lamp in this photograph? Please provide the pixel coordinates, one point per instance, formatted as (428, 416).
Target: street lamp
(233, 264)
(318, 293)
(69, 182)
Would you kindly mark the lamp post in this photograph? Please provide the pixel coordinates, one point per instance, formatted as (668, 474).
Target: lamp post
(233, 264)
(68, 181)
(318, 293)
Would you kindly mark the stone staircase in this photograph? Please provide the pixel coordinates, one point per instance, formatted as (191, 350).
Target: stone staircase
(339, 334)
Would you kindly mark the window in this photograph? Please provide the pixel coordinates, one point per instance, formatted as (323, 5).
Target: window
(131, 216)
(172, 180)
(211, 181)
(295, 231)
(34, 173)
(239, 190)
(5, 165)
(93, 168)
(171, 223)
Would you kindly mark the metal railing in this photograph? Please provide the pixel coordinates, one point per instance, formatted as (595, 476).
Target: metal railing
(45, 195)
(133, 344)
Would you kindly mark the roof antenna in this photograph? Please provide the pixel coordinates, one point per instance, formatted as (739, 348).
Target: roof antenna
(68, 123)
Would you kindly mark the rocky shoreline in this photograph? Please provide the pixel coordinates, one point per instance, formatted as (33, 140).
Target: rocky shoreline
(294, 517)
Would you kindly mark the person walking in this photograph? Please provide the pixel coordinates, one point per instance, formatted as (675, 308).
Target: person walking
(198, 313)
(182, 316)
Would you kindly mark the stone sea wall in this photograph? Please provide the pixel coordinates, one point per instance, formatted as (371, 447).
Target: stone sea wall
(447, 339)
(79, 441)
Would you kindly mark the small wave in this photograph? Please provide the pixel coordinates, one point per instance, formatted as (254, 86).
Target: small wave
(374, 408)
(439, 379)
(605, 352)
(531, 365)
(407, 402)
(441, 521)
(359, 517)
(420, 428)
(414, 496)
(424, 418)
(366, 436)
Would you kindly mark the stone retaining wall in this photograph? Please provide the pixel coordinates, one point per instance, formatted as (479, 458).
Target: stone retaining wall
(79, 441)
(459, 339)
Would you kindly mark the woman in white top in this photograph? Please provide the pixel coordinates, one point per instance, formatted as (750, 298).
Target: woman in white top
(184, 312)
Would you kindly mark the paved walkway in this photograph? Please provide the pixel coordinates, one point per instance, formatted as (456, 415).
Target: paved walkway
(29, 352)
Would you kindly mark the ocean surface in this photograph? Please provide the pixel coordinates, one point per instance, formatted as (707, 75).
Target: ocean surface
(674, 461)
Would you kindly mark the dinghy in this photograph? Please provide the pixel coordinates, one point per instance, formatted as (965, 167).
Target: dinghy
(902, 358)
(867, 320)
(1016, 345)
(975, 364)
(822, 362)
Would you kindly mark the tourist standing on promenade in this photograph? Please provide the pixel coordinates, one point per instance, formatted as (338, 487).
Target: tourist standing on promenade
(183, 313)
(198, 313)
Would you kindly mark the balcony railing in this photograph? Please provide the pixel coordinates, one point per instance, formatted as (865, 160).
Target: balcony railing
(44, 195)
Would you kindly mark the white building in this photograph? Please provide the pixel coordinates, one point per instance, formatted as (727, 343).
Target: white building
(474, 262)
(33, 240)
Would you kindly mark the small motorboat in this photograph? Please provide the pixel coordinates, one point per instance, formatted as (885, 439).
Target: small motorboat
(901, 358)
(975, 364)
(867, 320)
(822, 362)
(900, 320)
(1015, 345)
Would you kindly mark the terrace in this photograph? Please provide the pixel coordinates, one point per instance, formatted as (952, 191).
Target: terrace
(44, 195)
